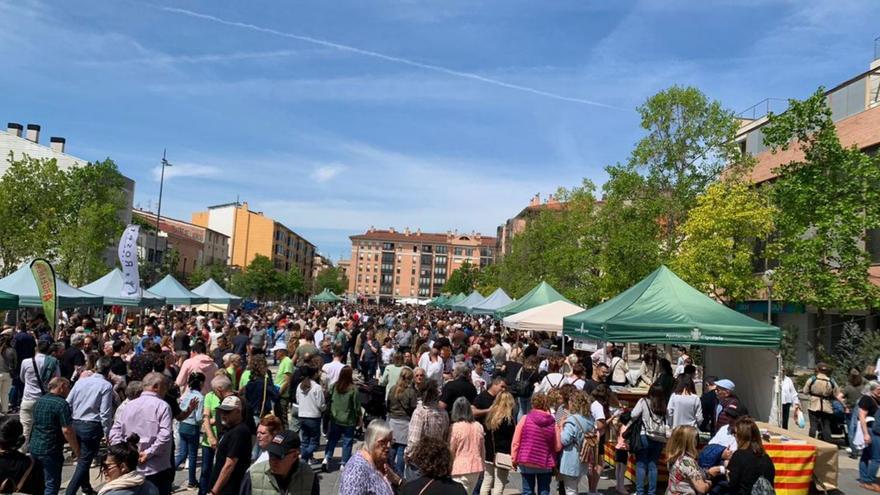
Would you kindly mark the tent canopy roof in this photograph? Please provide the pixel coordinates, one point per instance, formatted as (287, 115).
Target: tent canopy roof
(22, 284)
(109, 287)
(8, 301)
(175, 293)
(452, 301)
(469, 301)
(541, 294)
(663, 309)
(488, 305)
(215, 293)
(437, 301)
(326, 296)
(544, 318)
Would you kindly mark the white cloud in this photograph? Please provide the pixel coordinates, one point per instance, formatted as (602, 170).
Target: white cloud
(178, 170)
(325, 173)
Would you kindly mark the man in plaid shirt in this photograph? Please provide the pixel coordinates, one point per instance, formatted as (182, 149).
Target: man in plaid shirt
(52, 425)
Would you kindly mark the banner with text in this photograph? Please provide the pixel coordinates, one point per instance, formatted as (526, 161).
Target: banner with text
(128, 258)
(44, 274)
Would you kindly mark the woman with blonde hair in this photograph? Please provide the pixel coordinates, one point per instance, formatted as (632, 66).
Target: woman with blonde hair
(685, 475)
(576, 427)
(500, 426)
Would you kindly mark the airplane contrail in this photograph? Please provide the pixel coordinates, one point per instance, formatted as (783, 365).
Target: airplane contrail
(382, 56)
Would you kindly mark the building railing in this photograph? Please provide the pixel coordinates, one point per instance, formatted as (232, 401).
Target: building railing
(763, 108)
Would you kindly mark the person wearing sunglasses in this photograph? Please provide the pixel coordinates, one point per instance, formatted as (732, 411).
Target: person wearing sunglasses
(119, 469)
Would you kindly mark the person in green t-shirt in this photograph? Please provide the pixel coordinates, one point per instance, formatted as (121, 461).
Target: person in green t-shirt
(345, 414)
(221, 387)
(285, 371)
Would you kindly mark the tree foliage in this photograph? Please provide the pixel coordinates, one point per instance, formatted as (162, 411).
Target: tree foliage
(260, 280)
(68, 216)
(464, 279)
(717, 252)
(220, 272)
(825, 203)
(331, 278)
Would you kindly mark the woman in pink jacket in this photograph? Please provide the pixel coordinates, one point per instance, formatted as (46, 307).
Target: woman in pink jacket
(467, 445)
(536, 442)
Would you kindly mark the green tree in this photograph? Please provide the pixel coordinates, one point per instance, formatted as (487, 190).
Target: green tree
(464, 279)
(689, 141)
(70, 217)
(717, 252)
(558, 246)
(826, 202)
(331, 278)
(90, 218)
(292, 284)
(260, 279)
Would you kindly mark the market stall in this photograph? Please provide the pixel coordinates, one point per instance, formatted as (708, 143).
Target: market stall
(218, 298)
(21, 283)
(540, 295)
(175, 293)
(488, 305)
(109, 287)
(326, 297)
(544, 318)
(467, 303)
(452, 301)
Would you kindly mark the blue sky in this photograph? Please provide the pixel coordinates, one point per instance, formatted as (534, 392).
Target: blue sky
(335, 116)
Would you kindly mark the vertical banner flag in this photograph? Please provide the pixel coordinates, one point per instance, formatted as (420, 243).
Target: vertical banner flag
(45, 277)
(131, 280)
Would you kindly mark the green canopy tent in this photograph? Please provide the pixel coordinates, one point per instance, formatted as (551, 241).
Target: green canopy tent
(488, 305)
(175, 293)
(540, 295)
(326, 297)
(216, 294)
(452, 301)
(664, 309)
(21, 283)
(8, 301)
(437, 301)
(468, 302)
(109, 287)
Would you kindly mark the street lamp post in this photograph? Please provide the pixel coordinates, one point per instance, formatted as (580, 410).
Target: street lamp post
(768, 281)
(159, 210)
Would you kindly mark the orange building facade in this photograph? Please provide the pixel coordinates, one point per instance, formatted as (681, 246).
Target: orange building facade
(390, 264)
(196, 245)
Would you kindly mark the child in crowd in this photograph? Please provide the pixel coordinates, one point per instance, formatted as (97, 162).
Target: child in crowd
(621, 452)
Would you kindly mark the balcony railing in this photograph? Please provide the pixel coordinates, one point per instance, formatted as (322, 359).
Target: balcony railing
(764, 107)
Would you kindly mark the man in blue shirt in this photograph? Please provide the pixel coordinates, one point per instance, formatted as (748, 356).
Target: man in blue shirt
(91, 403)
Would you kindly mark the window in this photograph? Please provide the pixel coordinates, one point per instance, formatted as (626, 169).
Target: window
(376, 257)
(426, 248)
(387, 246)
(848, 100)
(398, 258)
(458, 251)
(440, 260)
(415, 249)
(397, 280)
(470, 252)
(427, 259)
(440, 249)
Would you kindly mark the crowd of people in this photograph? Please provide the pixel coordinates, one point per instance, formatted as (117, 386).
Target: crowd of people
(444, 403)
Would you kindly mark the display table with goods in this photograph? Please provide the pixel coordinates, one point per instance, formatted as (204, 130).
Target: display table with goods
(799, 462)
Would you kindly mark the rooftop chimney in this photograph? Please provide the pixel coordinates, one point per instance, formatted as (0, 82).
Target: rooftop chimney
(33, 133)
(419, 231)
(391, 229)
(535, 201)
(14, 128)
(57, 144)
(406, 231)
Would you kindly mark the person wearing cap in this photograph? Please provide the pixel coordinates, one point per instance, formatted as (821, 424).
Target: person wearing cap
(823, 391)
(727, 401)
(234, 448)
(282, 472)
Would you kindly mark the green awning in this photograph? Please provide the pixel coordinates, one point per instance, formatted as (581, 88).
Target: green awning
(468, 302)
(21, 283)
(663, 309)
(8, 301)
(437, 301)
(326, 297)
(540, 295)
(216, 294)
(109, 287)
(452, 301)
(175, 293)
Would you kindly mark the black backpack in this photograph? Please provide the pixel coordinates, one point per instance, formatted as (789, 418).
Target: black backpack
(520, 387)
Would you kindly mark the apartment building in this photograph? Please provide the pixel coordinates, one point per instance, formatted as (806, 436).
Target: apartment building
(320, 263)
(516, 225)
(855, 108)
(196, 245)
(390, 264)
(252, 233)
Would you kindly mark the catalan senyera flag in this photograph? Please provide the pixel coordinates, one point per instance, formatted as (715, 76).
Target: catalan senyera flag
(44, 274)
(794, 465)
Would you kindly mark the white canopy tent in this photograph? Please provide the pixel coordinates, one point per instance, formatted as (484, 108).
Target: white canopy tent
(545, 318)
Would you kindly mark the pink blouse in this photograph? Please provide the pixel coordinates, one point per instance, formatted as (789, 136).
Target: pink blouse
(468, 448)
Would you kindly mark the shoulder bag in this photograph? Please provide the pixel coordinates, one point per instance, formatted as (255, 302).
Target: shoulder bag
(501, 461)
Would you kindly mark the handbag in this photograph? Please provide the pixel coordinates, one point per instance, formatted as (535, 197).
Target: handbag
(4, 486)
(502, 460)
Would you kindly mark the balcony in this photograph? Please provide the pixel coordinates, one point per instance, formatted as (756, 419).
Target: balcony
(763, 108)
